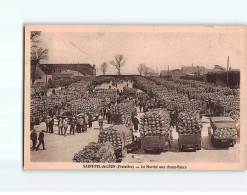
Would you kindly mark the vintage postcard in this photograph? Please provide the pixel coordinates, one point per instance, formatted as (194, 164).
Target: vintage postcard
(135, 97)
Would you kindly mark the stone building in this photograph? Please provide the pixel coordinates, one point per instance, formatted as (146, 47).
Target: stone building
(68, 70)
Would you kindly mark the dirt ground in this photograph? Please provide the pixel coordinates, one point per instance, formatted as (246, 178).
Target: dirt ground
(62, 148)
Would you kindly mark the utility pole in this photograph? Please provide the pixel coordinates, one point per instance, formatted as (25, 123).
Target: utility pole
(168, 73)
(227, 69)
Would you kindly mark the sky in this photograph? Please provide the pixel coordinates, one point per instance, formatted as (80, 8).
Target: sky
(156, 49)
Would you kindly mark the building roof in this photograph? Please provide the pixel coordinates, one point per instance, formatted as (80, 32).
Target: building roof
(85, 69)
(175, 72)
(39, 71)
(62, 75)
(222, 119)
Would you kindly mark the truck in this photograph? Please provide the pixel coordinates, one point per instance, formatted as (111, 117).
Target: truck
(120, 136)
(154, 131)
(189, 131)
(189, 142)
(156, 143)
(222, 131)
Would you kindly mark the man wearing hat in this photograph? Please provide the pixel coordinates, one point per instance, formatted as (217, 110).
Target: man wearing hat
(72, 126)
(85, 122)
(135, 122)
(51, 123)
(101, 122)
(80, 124)
(41, 140)
(32, 123)
(65, 125)
(90, 120)
(60, 126)
(33, 137)
(47, 121)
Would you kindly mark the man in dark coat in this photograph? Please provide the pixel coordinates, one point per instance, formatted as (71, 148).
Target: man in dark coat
(47, 121)
(141, 105)
(90, 120)
(33, 137)
(32, 123)
(104, 112)
(109, 116)
(135, 122)
(51, 123)
(41, 140)
(72, 126)
(145, 107)
(174, 117)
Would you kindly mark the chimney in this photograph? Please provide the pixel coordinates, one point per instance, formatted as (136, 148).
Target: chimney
(94, 71)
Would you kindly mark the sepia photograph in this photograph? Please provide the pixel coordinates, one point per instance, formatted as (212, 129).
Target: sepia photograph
(134, 97)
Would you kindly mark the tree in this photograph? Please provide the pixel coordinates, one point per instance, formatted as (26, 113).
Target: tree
(118, 62)
(103, 67)
(145, 70)
(37, 53)
(148, 71)
(141, 69)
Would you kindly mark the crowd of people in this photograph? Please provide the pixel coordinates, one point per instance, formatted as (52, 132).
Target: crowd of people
(146, 103)
(77, 124)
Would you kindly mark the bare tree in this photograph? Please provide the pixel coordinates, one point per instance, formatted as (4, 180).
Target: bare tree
(141, 69)
(34, 34)
(148, 71)
(118, 62)
(37, 53)
(144, 70)
(103, 67)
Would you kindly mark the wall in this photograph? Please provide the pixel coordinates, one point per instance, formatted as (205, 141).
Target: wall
(43, 79)
(66, 71)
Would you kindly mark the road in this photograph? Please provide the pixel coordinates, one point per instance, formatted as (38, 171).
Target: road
(62, 148)
(119, 85)
(207, 154)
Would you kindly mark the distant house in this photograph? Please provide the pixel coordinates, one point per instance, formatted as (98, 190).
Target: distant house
(69, 70)
(41, 76)
(219, 68)
(195, 77)
(153, 74)
(176, 74)
(163, 73)
(173, 74)
(194, 69)
(191, 72)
